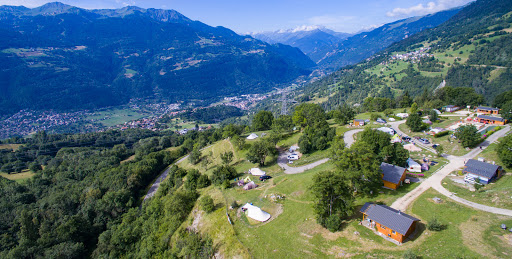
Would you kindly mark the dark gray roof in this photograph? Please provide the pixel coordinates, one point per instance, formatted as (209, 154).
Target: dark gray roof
(451, 106)
(389, 217)
(359, 120)
(392, 173)
(485, 117)
(487, 108)
(481, 168)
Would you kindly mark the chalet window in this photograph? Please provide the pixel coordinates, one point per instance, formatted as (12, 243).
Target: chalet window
(383, 227)
(393, 232)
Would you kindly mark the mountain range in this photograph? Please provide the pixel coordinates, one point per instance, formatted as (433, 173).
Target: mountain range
(332, 50)
(307, 38)
(62, 57)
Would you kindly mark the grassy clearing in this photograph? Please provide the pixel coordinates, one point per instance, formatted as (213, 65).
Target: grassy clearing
(114, 117)
(128, 159)
(14, 147)
(19, 177)
(462, 237)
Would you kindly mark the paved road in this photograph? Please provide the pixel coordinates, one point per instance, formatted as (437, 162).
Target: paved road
(395, 124)
(154, 187)
(455, 163)
(348, 138)
(282, 161)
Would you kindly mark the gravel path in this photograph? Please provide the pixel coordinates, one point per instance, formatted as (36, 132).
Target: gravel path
(348, 138)
(282, 161)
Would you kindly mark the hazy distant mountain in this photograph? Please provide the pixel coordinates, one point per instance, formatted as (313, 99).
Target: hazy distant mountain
(62, 57)
(365, 44)
(306, 38)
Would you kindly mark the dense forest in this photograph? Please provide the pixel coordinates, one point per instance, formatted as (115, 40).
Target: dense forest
(82, 188)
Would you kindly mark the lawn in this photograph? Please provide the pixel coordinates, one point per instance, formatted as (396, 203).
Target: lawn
(114, 117)
(19, 177)
(464, 235)
(14, 147)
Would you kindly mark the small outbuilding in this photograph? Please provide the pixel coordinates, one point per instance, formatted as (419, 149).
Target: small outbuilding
(252, 136)
(393, 176)
(257, 172)
(255, 213)
(388, 221)
(484, 171)
(413, 166)
(451, 108)
(358, 122)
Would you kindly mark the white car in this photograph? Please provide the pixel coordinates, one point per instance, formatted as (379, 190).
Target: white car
(293, 157)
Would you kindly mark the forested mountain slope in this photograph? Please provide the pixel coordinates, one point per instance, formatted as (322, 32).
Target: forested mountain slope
(472, 49)
(62, 57)
(365, 44)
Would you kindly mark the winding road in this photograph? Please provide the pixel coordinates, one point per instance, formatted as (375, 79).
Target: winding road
(455, 162)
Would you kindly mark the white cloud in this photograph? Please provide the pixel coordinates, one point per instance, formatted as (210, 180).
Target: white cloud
(428, 8)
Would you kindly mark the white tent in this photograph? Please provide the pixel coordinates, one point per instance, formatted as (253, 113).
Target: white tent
(257, 172)
(252, 136)
(413, 166)
(256, 213)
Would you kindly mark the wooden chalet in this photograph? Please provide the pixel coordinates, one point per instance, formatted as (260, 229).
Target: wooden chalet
(484, 171)
(388, 221)
(392, 175)
(487, 110)
(491, 120)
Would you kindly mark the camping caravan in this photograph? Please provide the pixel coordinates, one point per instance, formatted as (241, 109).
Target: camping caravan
(390, 131)
(255, 213)
(257, 172)
(251, 185)
(252, 136)
(413, 166)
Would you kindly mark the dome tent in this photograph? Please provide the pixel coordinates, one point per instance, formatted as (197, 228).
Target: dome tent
(256, 213)
(252, 136)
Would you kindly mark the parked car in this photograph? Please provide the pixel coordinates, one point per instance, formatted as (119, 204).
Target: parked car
(293, 157)
(380, 120)
(265, 177)
(406, 138)
(435, 145)
(424, 141)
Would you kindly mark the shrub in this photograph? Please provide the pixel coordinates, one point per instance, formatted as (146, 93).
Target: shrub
(435, 225)
(203, 181)
(206, 204)
(409, 254)
(441, 134)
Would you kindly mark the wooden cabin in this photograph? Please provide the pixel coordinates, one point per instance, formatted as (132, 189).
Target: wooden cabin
(491, 120)
(358, 122)
(487, 110)
(484, 171)
(388, 221)
(392, 175)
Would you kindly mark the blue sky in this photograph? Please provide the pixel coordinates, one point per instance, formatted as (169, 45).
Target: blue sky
(268, 15)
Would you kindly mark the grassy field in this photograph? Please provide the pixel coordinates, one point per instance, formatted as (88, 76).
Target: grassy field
(19, 177)
(14, 147)
(114, 117)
